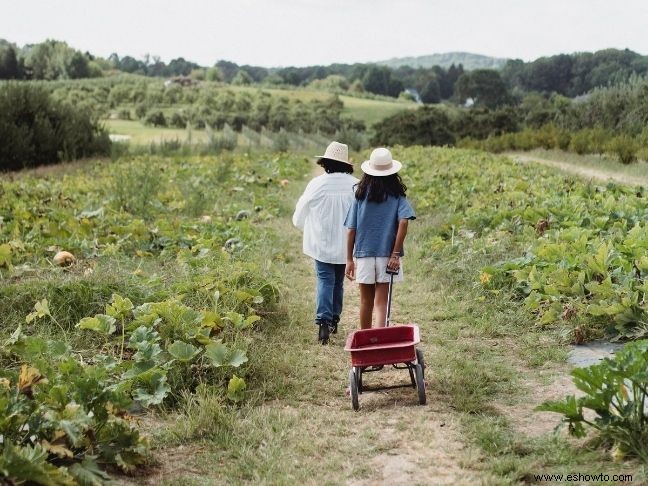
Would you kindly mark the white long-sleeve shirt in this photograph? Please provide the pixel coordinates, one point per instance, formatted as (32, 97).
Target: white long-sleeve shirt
(320, 213)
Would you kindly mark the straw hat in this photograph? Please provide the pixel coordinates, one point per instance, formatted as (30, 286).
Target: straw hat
(336, 151)
(381, 163)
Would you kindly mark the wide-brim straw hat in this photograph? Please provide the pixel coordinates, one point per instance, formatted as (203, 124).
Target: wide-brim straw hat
(381, 163)
(336, 151)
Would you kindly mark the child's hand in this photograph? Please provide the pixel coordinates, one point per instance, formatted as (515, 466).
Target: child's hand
(349, 271)
(394, 263)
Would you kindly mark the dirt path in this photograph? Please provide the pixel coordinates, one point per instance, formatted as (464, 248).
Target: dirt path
(399, 441)
(391, 440)
(582, 171)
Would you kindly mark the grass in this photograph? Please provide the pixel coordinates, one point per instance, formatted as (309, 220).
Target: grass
(637, 170)
(141, 134)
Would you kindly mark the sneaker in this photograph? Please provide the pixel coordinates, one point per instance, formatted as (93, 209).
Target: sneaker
(333, 325)
(323, 336)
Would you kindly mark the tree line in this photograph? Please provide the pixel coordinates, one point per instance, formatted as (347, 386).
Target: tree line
(566, 74)
(612, 120)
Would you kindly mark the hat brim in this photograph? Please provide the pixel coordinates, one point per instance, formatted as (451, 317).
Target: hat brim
(324, 157)
(367, 169)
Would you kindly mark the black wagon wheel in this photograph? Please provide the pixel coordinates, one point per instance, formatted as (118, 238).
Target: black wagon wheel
(353, 386)
(420, 383)
(359, 379)
(419, 358)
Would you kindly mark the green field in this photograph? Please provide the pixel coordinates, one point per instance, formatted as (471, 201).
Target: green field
(366, 109)
(184, 324)
(141, 134)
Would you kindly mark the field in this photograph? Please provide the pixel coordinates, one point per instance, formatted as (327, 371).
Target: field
(368, 110)
(187, 316)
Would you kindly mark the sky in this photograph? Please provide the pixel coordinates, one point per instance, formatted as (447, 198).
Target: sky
(276, 33)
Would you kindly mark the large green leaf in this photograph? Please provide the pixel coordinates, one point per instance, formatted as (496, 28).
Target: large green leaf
(236, 389)
(101, 323)
(237, 358)
(153, 390)
(88, 473)
(29, 464)
(119, 307)
(219, 354)
(183, 351)
(216, 353)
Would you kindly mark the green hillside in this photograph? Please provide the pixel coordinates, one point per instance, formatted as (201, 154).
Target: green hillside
(468, 60)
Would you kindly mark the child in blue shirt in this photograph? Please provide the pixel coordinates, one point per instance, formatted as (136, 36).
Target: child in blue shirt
(377, 225)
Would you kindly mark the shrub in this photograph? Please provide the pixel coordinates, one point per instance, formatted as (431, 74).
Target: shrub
(580, 142)
(178, 120)
(224, 140)
(156, 118)
(140, 110)
(124, 114)
(624, 147)
(35, 129)
(425, 126)
(281, 142)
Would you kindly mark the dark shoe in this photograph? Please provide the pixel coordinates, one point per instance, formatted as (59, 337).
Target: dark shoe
(333, 326)
(323, 337)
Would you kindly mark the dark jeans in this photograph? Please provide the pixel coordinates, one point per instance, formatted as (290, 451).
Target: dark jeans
(330, 290)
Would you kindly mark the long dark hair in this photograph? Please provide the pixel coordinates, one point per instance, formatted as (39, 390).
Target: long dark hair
(332, 166)
(378, 189)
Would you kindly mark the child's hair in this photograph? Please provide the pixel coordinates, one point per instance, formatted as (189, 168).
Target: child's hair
(378, 189)
(332, 166)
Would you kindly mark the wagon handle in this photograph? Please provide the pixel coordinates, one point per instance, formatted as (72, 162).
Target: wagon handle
(389, 296)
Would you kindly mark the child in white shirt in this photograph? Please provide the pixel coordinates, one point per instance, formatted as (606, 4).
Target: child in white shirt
(320, 213)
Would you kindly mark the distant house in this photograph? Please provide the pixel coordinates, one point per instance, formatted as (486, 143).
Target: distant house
(181, 81)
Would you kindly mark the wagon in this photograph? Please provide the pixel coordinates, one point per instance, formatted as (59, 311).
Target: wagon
(373, 349)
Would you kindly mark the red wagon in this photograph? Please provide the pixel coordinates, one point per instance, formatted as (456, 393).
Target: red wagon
(373, 349)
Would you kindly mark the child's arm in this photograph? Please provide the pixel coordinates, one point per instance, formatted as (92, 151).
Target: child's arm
(349, 270)
(394, 260)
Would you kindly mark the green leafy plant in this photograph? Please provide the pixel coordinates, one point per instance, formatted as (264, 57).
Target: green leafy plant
(61, 420)
(616, 391)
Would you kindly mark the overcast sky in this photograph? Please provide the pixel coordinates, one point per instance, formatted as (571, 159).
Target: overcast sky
(306, 32)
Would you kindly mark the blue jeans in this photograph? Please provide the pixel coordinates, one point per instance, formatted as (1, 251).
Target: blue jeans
(330, 290)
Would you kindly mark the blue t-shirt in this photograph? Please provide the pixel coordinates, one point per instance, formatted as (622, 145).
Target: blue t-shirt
(376, 224)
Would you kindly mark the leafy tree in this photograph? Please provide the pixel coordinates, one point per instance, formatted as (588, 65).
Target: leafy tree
(180, 67)
(425, 126)
(484, 86)
(431, 93)
(53, 59)
(378, 80)
(242, 78)
(9, 66)
(35, 129)
(228, 70)
(333, 82)
(214, 74)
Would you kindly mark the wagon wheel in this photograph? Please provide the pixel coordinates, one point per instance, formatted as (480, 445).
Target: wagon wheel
(420, 383)
(359, 378)
(353, 385)
(419, 358)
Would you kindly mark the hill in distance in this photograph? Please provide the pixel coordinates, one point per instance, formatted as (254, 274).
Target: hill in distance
(468, 60)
